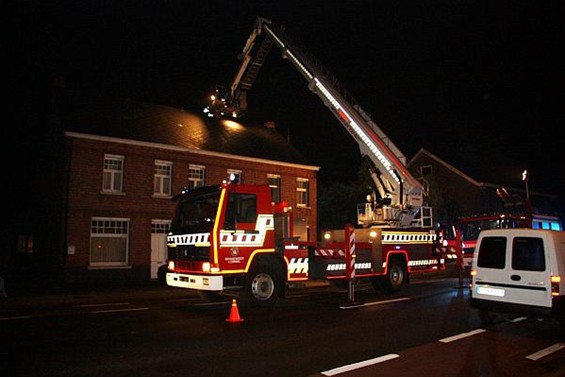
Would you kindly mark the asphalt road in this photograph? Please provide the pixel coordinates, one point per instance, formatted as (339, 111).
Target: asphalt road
(426, 330)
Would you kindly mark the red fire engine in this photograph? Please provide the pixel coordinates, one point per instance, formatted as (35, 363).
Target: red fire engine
(470, 227)
(232, 237)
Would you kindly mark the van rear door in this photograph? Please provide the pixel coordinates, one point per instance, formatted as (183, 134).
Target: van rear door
(512, 268)
(529, 281)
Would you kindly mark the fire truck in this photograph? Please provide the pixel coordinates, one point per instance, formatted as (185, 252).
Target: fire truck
(470, 227)
(232, 239)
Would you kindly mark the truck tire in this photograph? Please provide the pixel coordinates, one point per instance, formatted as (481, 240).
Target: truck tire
(396, 276)
(263, 285)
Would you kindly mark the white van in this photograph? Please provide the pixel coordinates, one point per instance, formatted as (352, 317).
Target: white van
(519, 271)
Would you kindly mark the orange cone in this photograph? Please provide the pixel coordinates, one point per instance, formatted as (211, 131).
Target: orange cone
(234, 314)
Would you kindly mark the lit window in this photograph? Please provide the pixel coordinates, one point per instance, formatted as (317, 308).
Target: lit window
(109, 242)
(113, 174)
(274, 181)
(162, 178)
(237, 175)
(196, 176)
(160, 226)
(302, 192)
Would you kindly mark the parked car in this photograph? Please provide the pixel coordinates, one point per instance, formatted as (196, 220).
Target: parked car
(519, 271)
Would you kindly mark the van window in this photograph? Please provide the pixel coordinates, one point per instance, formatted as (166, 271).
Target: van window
(492, 252)
(528, 254)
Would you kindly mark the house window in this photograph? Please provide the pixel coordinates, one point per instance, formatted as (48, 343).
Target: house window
(109, 242)
(160, 226)
(237, 176)
(302, 194)
(425, 170)
(162, 178)
(25, 243)
(274, 181)
(196, 176)
(113, 174)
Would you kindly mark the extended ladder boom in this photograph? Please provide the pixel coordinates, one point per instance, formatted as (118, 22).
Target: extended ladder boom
(400, 194)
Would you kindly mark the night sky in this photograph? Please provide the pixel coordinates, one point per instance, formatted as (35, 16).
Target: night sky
(471, 81)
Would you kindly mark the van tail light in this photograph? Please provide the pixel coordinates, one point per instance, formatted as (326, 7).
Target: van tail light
(473, 273)
(555, 280)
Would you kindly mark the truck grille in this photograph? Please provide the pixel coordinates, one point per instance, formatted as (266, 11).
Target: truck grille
(189, 253)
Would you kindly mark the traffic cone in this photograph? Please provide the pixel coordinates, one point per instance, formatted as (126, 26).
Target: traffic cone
(234, 313)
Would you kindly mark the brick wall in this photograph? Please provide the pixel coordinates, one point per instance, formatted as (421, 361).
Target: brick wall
(137, 203)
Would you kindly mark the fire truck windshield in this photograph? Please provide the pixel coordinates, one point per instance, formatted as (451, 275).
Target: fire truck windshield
(195, 213)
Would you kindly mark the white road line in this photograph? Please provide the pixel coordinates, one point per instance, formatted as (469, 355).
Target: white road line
(462, 335)
(213, 303)
(361, 364)
(107, 304)
(19, 317)
(360, 305)
(118, 310)
(518, 319)
(546, 351)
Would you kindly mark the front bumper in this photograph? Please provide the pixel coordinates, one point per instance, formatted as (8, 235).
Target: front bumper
(199, 282)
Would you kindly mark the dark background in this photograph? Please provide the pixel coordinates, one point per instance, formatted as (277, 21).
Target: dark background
(478, 83)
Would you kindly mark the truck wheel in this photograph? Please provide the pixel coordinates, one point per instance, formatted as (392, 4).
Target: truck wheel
(263, 285)
(211, 296)
(396, 276)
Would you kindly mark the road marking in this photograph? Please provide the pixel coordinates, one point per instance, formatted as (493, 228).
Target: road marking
(361, 364)
(118, 310)
(107, 304)
(19, 317)
(546, 351)
(518, 319)
(213, 303)
(387, 301)
(353, 306)
(462, 335)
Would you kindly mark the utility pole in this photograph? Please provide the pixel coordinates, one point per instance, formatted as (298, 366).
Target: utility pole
(526, 179)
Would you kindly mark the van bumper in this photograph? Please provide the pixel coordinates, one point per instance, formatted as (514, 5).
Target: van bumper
(556, 310)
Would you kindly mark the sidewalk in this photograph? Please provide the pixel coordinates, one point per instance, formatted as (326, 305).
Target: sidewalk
(82, 296)
(55, 297)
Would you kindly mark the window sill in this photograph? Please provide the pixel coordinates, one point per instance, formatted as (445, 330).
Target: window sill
(113, 193)
(128, 267)
(161, 196)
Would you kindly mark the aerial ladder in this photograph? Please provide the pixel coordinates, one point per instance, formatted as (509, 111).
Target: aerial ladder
(398, 197)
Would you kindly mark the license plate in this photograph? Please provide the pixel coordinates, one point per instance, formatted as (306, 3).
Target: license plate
(488, 291)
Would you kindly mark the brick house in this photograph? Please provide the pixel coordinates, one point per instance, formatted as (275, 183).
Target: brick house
(117, 166)
(492, 189)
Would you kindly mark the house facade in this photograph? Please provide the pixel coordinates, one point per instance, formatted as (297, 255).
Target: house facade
(113, 171)
(463, 195)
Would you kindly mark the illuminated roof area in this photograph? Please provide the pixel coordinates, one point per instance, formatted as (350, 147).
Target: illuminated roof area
(127, 119)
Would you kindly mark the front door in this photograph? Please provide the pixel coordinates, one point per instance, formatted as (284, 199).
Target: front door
(158, 252)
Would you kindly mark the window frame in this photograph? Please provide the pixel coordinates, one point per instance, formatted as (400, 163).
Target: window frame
(111, 229)
(161, 179)
(194, 181)
(113, 178)
(274, 182)
(238, 175)
(302, 192)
